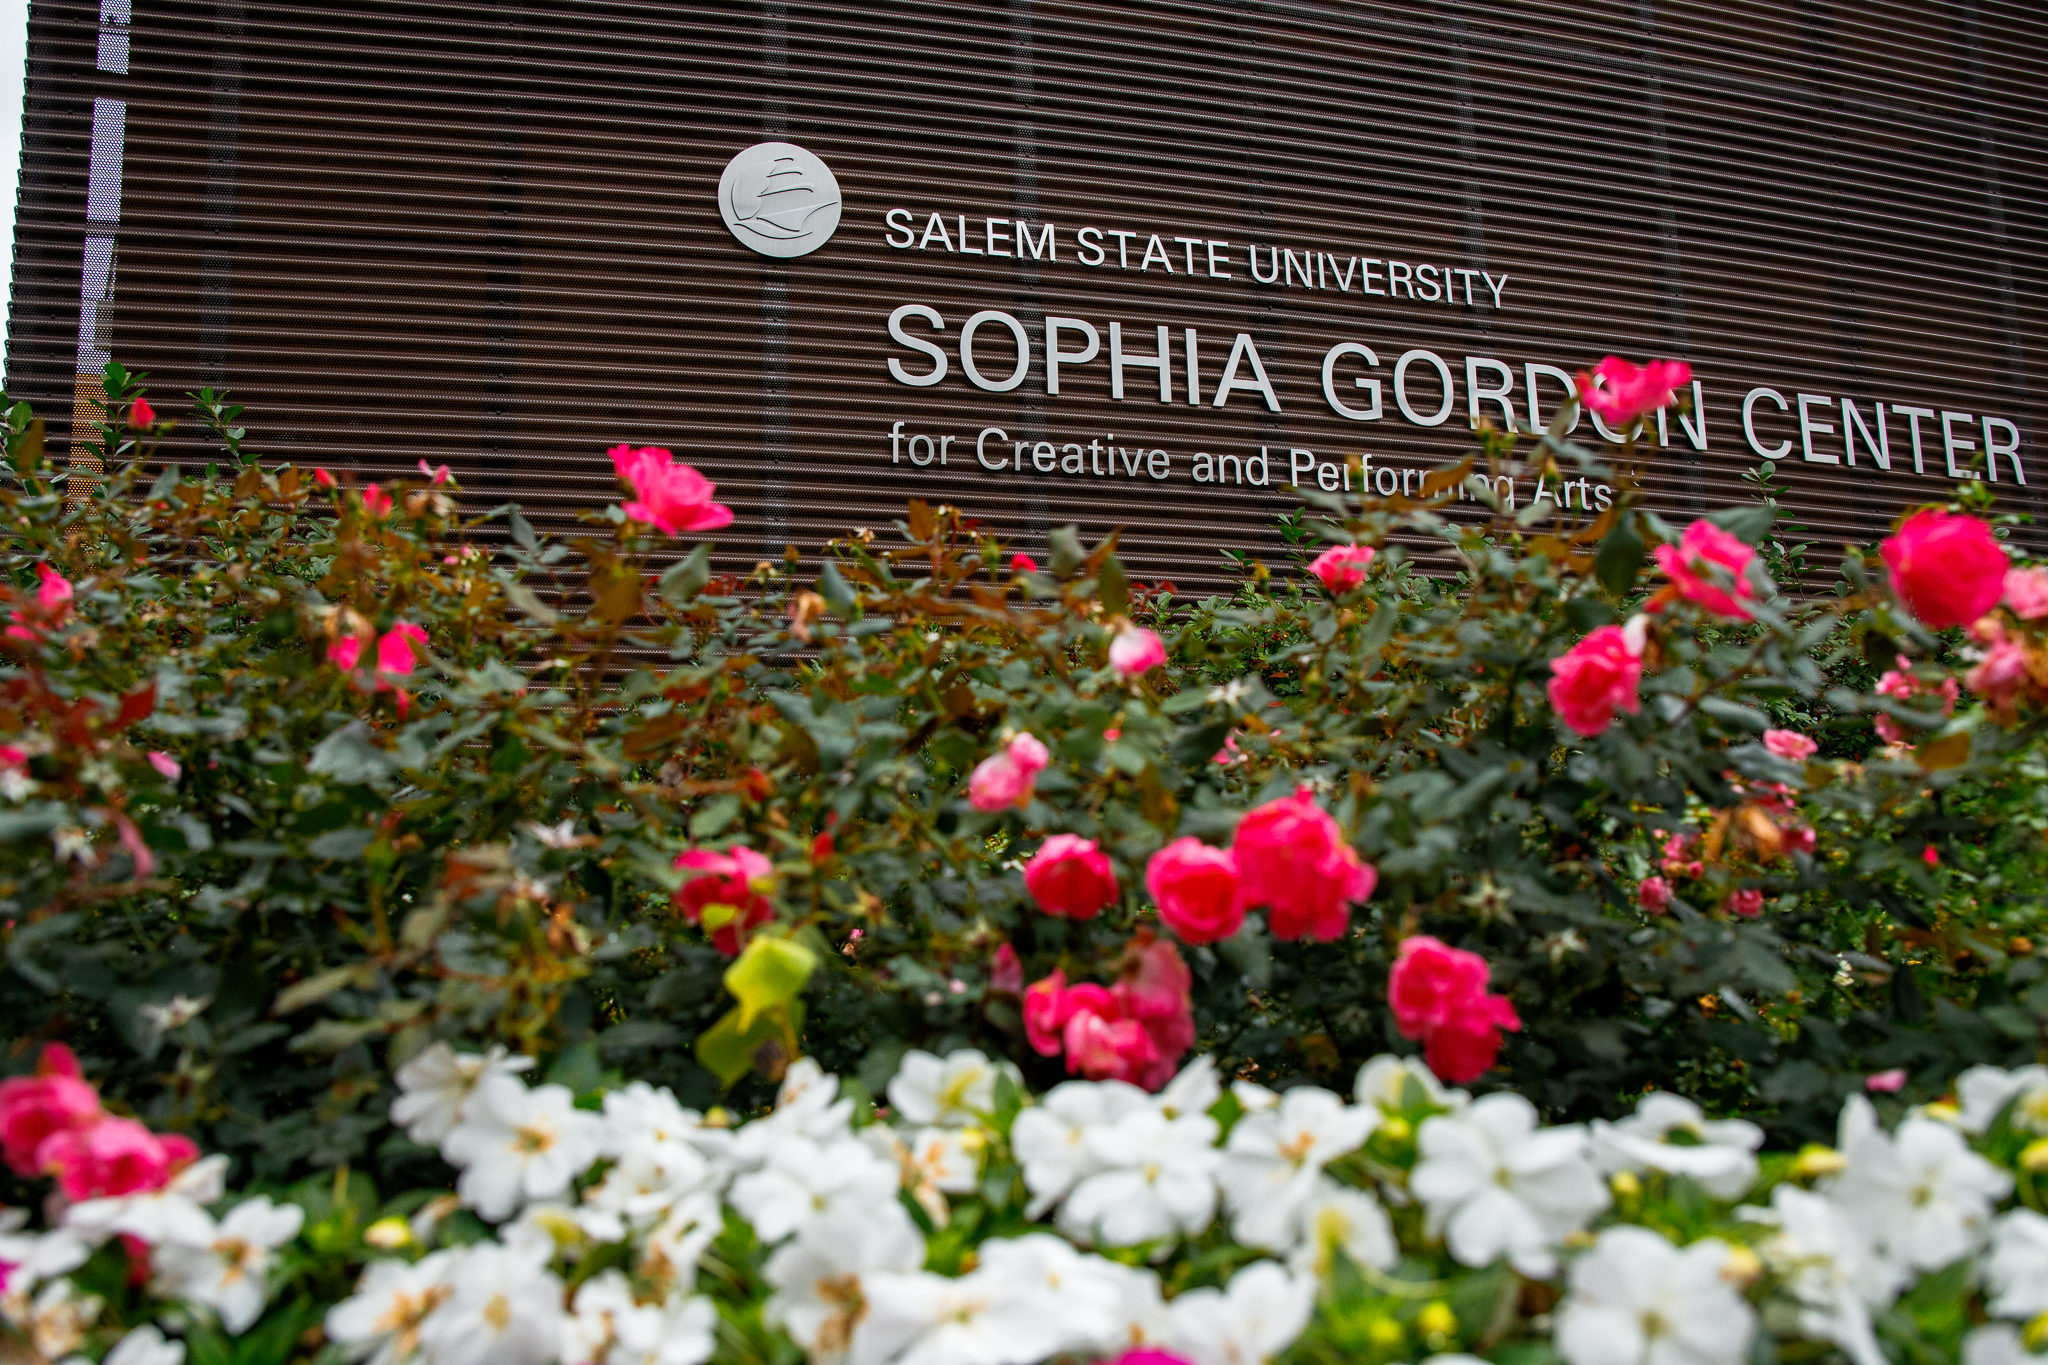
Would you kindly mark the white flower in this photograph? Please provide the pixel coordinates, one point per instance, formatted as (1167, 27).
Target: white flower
(1141, 1318)
(802, 1180)
(977, 1319)
(807, 1106)
(1922, 1195)
(434, 1086)
(934, 1163)
(670, 1252)
(1193, 1091)
(1496, 1185)
(503, 1308)
(1720, 1153)
(31, 1258)
(1638, 1300)
(1830, 1270)
(1050, 1140)
(817, 1280)
(15, 783)
(1082, 1294)
(229, 1273)
(516, 1144)
(955, 1092)
(637, 1115)
(171, 1214)
(146, 1346)
(1252, 1097)
(1998, 1343)
(1385, 1079)
(609, 1328)
(56, 1320)
(1154, 1177)
(649, 1178)
(1275, 1158)
(382, 1318)
(1256, 1318)
(1337, 1218)
(548, 1230)
(176, 1012)
(2016, 1267)
(1984, 1091)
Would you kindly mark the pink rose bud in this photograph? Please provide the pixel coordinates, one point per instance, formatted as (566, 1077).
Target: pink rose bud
(141, 415)
(1438, 994)
(1618, 392)
(1135, 650)
(323, 478)
(1006, 971)
(1070, 877)
(1748, 902)
(1342, 567)
(1790, 745)
(436, 474)
(53, 589)
(395, 655)
(672, 497)
(1886, 1082)
(1046, 1010)
(376, 501)
(1703, 548)
(1653, 894)
(1023, 563)
(1931, 856)
(2026, 593)
(1947, 570)
(1593, 679)
(164, 764)
(1292, 858)
(1195, 887)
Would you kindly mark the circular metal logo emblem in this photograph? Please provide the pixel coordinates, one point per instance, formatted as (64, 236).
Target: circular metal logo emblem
(779, 199)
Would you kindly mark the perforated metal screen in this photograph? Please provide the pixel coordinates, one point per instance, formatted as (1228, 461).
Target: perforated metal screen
(489, 234)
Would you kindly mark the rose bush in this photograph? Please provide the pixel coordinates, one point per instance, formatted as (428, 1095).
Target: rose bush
(306, 782)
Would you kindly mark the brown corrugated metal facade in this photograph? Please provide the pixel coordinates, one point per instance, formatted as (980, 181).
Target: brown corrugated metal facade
(489, 234)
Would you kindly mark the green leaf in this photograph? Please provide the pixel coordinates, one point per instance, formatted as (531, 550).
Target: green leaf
(522, 529)
(1620, 557)
(1067, 554)
(1113, 587)
(832, 587)
(685, 578)
(314, 988)
(1747, 524)
(1736, 714)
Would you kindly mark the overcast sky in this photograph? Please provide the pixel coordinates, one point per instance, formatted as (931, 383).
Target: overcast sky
(13, 60)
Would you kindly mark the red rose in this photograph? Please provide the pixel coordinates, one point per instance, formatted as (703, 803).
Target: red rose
(1946, 570)
(1196, 889)
(1070, 877)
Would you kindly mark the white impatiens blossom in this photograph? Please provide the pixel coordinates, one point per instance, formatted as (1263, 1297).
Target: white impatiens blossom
(649, 1178)
(229, 1271)
(1082, 1294)
(975, 1319)
(1920, 1194)
(1193, 1091)
(1494, 1184)
(381, 1320)
(608, 1327)
(516, 1144)
(146, 1346)
(434, 1086)
(672, 1247)
(1336, 1218)
(504, 1307)
(56, 1320)
(1050, 1139)
(1275, 1158)
(1830, 1268)
(1384, 1081)
(1982, 1093)
(2016, 1267)
(1999, 1343)
(807, 1106)
(1638, 1300)
(640, 1115)
(1152, 1177)
(31, 1258)
(1672, 1135)
(934, 1163)
(954, 1091)
(1249, 1322)
(818, 1279)
(802, 1179)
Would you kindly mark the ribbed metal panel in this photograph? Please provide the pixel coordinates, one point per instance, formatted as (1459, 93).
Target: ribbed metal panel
(486, 233)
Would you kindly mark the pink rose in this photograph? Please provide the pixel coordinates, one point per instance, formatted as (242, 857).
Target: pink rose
(113, 1157)
(729, 889)
(11, 757)
(323, 478)
(1653, 894)
(1902, 684)
(1008, 777)
(1618, 392)
(1342, 567)
(2002, 672)
(1748, 902)
(436, 474)
(1135, 1031)
(1594, 678)
(376, 501)
(344, 653)
(1023, 563)
(1438, 994)
(2026, 593)
(1702, 548)
(1154, 990)
(1195, 887)
(53, 589)
(395, 650)
(1790, 745)
(1292, 857)
(1886, 1082)
(165, 765)
(1799, 838)
(671, 496)
(1946, 570)
(1070, 877)
(53, 1100)
(1229, 753)
(1931, 856)
(1006, 972)
(1046, 1010)
(1135, 650)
